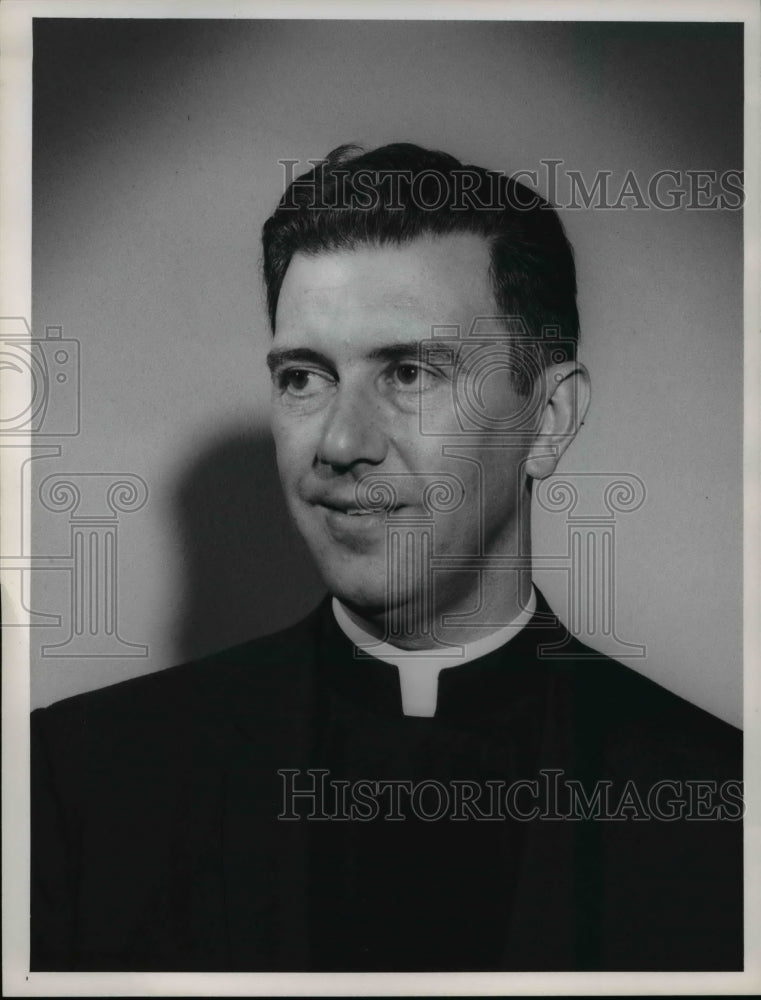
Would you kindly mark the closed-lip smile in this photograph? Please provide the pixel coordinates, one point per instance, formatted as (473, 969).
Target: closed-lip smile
(352, 509)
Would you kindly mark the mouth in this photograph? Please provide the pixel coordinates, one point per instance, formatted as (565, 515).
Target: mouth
(359, 511)
(353, 525)
(364, 514)
(354, 510)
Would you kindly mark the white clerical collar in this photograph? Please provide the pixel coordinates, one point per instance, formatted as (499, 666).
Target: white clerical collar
(419, 669)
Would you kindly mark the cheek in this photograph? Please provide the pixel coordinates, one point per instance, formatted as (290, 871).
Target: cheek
(294, 439)
(289, 465)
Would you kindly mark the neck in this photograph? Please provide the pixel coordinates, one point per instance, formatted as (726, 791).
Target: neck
(471, 605)
(498, 599)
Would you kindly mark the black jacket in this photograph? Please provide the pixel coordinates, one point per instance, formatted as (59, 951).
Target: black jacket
(156, 843)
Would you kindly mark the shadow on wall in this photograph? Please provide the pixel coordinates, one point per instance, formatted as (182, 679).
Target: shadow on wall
(246, 570)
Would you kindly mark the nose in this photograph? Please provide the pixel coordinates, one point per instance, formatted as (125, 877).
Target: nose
(353, 433)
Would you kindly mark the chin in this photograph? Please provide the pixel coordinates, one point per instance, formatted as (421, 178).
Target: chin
(362, 593)
(363, 598)
(360, 581)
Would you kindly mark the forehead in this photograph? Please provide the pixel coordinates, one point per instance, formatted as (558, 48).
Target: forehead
(385, 292)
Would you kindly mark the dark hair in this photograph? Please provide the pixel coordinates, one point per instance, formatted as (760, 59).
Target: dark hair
(398, 192)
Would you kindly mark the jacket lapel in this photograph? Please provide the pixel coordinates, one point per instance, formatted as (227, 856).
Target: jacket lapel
(555, 912)
(265, 857)
(541, 931)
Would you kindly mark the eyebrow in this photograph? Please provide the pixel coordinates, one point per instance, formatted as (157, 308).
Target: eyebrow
(276, 358)
(389, 352)
(396, 352)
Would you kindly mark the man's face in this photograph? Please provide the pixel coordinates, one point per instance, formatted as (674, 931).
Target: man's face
(353, 396)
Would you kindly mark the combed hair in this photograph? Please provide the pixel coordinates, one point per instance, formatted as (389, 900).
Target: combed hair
(399, 192)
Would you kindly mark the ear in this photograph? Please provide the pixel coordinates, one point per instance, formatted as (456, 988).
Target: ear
(567, 392)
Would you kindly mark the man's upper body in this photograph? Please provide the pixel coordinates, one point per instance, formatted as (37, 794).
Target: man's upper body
(424, 375)
(171, 825)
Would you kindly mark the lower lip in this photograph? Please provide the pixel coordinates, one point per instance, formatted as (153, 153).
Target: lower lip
(355, 525)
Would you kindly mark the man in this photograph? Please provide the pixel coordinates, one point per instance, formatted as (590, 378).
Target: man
(429, 772)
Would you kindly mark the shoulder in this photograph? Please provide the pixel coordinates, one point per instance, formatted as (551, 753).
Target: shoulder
(639, 720)
(164, 704)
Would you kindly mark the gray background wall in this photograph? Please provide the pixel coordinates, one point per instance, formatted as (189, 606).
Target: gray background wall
(155, 164)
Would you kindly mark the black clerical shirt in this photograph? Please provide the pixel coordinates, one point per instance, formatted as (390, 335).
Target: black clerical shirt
(427, 882)
(159, 840)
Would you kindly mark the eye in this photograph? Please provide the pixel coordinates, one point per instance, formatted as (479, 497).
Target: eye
(408, 376)
(300, 382)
